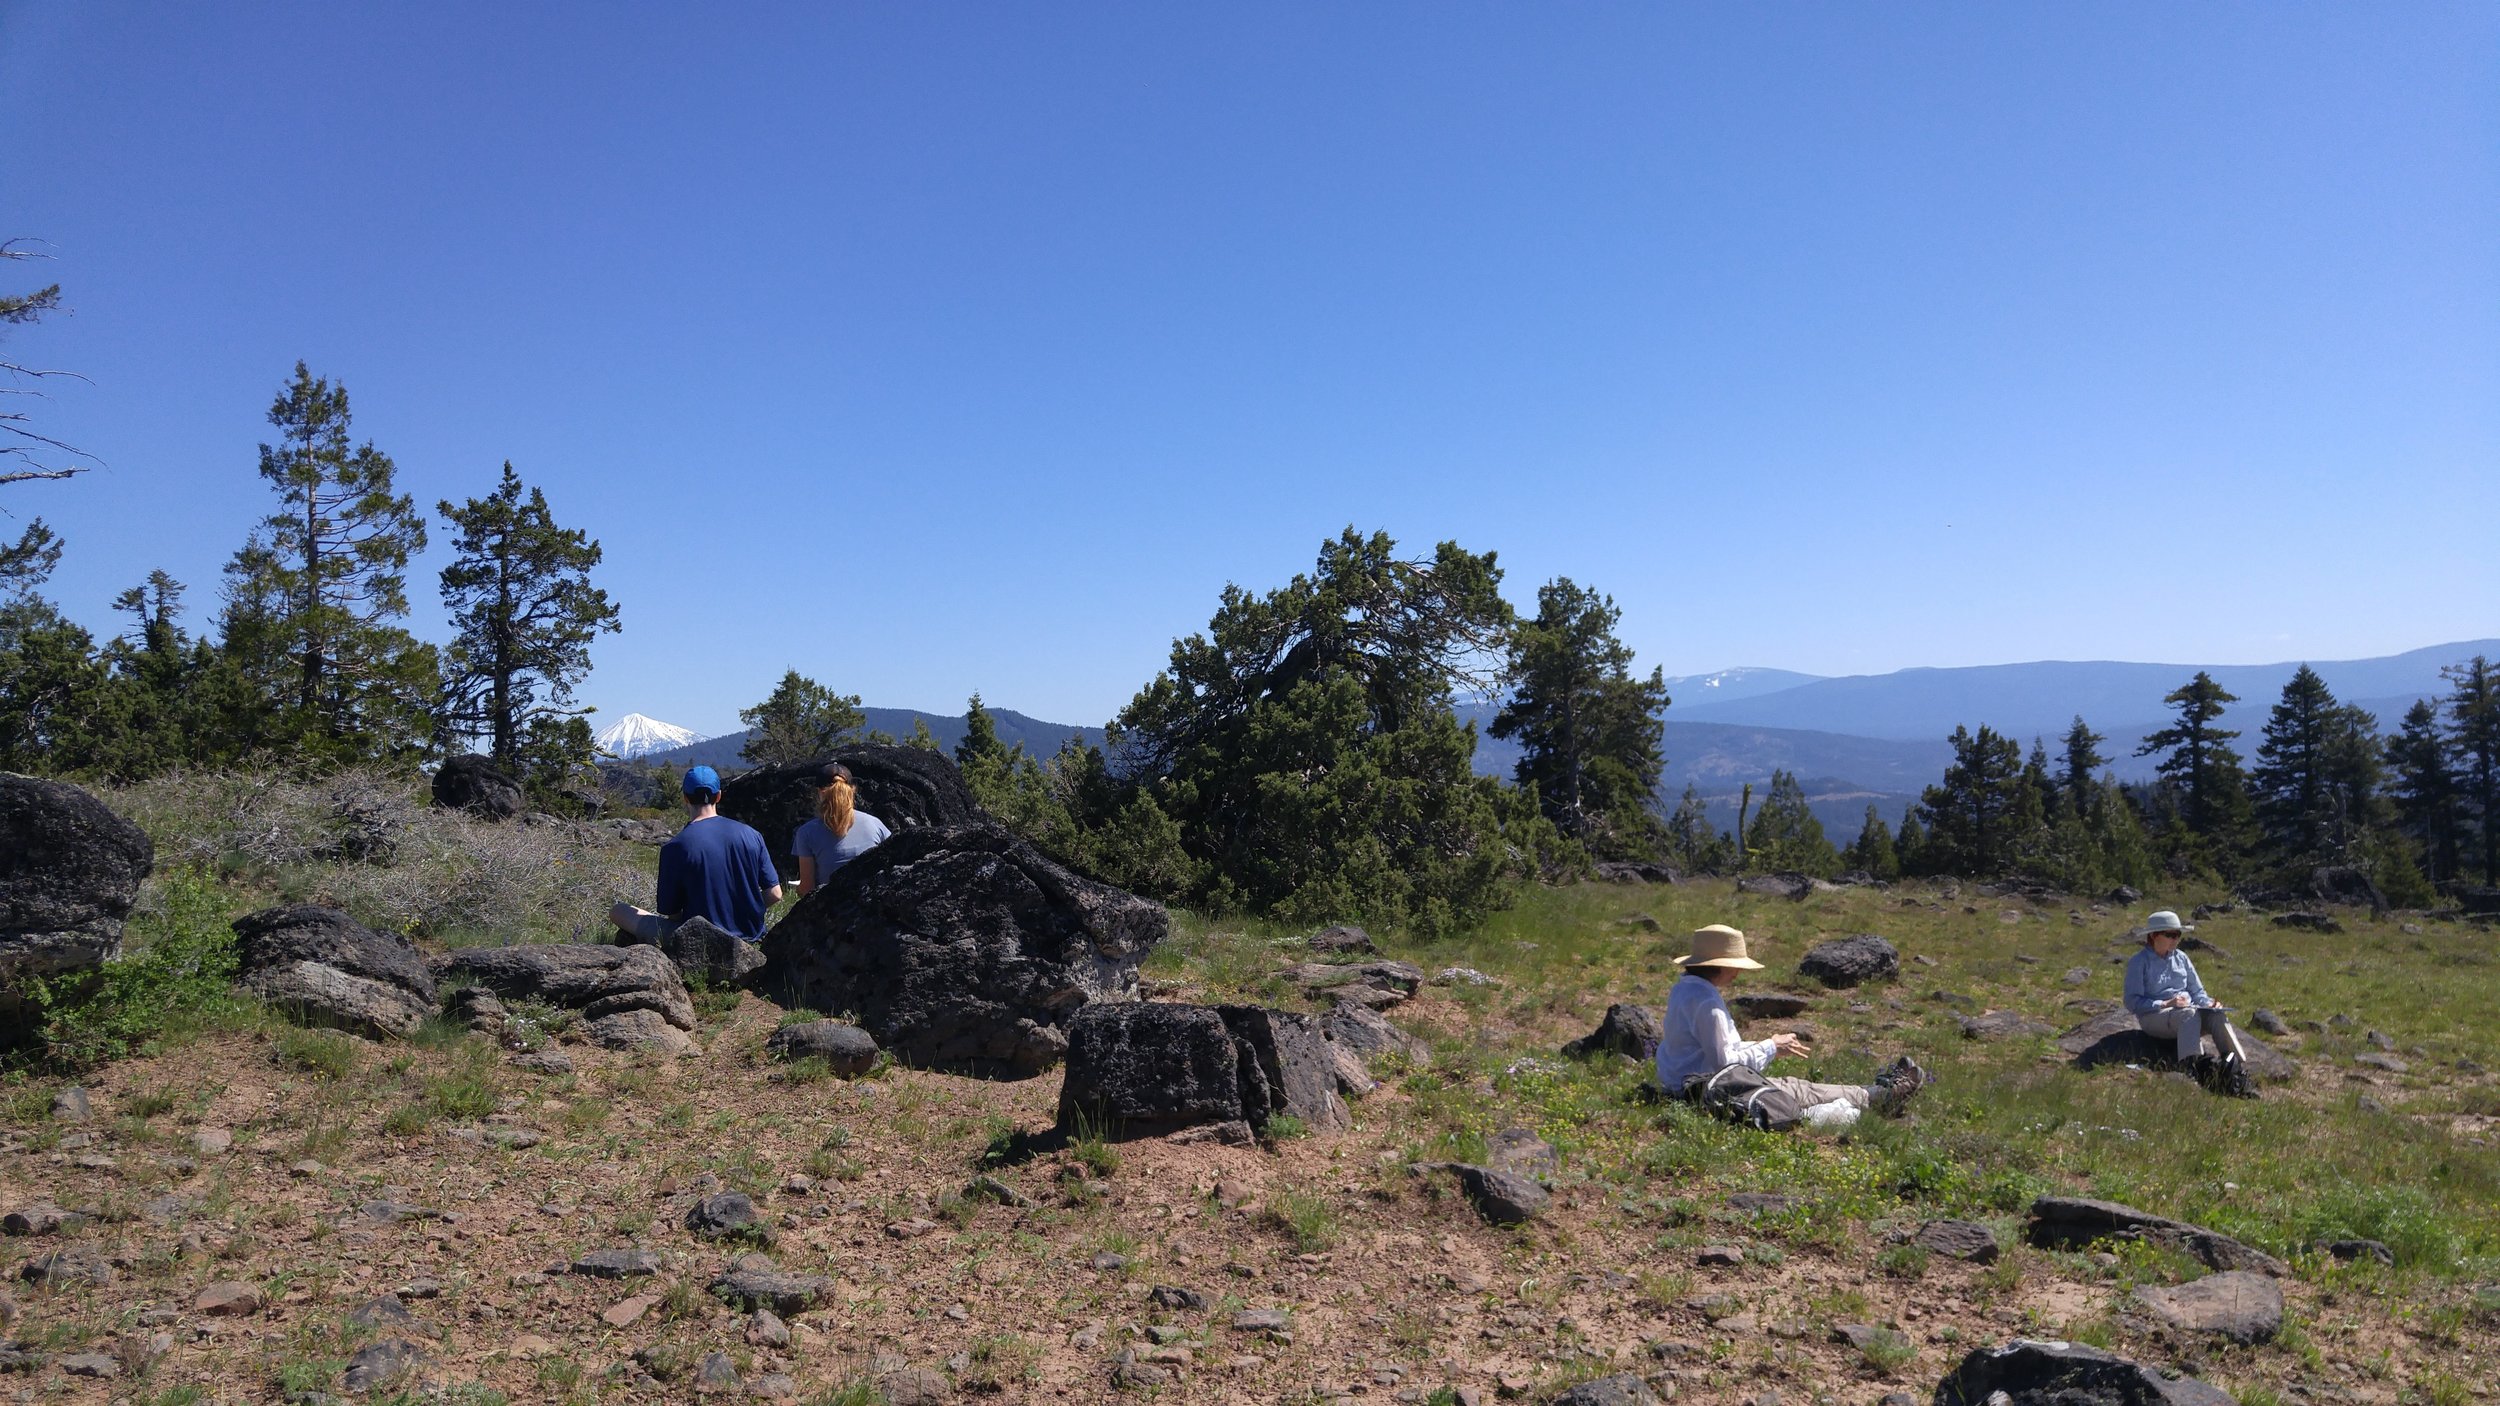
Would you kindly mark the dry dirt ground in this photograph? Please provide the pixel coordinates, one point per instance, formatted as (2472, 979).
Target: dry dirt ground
(296, 1168)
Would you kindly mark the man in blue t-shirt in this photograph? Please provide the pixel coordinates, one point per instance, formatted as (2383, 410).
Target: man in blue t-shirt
(716, 869)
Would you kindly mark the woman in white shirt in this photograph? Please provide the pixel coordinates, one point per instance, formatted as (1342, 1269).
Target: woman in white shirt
(1701, 1038)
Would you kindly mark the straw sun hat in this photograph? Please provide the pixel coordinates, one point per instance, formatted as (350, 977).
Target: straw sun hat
(1719, 945)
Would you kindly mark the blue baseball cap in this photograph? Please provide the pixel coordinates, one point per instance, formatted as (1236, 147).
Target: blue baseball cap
(700, 780)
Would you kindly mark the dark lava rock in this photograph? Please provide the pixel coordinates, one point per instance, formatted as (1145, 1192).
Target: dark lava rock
(2067, 1374)
(1635, 871)
(724, 1214)
(2242, 1307)
(2307, 922)
(379, 1364)
(1522, 1153)
(628, 996)
(475, 784)
(1365, 1032)
(784, 1293)
(69, 870)
(1628, 1030)
(2122, 894)
(2360, 1250)
(1341, 940)
(1958, 1240)
(717, 1373)
(1788, 886)
(1851, 961)
(2113, 1037)
(2267, 1021)
(325, 968)
(71, 1105)
(850, 1050)
(1764, 1203)
(702, 951)
(1286, 1068)
(386, 1314)
(2073, 1222)
(2386, 1062)
(1178, 1300)
(1771, 1005)
(1143, 1069)
(77, 1265)
(625, 1264)
(1373, 983)
(962, 949)
(1504, 1198)
(2342, 883)
(906, 787)
(1621, 1389)
(2004, 1025)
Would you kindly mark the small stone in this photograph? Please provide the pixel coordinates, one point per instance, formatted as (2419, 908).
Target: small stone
(71, 1105)
(626, 1312)
(1719, 1256)
(421, 1289)
(380, 1363)
(766, 1329)
(1178, 1299)
(385, 1313)
(619, 1264)
(2266, 1022)
(724, 1214)
(911, 1229)
(228, 1299)
(92, 1364)
(1959, 1239)
(1141, 1376)
(774, 1386)
(2387, 1062)
(716, 1374)
(1261, 1320)
(211, 1142)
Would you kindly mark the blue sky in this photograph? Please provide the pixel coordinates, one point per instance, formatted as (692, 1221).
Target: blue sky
(927, 348)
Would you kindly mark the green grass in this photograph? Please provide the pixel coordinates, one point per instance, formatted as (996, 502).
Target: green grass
(1304, 1215)
(324, 1054)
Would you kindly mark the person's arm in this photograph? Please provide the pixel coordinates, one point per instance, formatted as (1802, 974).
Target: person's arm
(2196, 984)
(807, 875)
(672, 895)
(1753, 1054)
(767, 875)
(2139, 995)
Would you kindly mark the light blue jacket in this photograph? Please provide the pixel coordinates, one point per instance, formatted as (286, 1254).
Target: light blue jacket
(2153, 979)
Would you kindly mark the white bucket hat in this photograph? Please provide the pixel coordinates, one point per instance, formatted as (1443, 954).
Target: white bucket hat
(2163, 921)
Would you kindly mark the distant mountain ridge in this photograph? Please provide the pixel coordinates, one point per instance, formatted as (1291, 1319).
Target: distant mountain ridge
(635, 735)
(1039, 738)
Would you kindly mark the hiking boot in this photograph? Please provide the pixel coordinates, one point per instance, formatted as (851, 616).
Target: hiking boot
(1894, 1087)
(2235, 1079)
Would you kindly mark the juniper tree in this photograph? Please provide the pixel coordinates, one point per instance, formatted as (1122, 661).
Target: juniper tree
(801, 720)
(330, 576)
(1970, 816)
(520, 599)
(2426, 791)
(1588, 728)
(1872, 851)
(1787, 837)
(2474, 711)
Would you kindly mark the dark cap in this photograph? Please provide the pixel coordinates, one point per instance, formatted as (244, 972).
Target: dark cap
(829, 772)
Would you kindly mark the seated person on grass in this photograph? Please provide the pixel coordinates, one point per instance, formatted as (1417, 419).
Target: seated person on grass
(1701, 1038)
(716, 869)
(2168, 1001)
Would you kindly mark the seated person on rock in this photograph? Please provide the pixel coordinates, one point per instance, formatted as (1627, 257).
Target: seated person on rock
(716, 869)
(840, 833)
(2169, 1002)
(1700, 1038)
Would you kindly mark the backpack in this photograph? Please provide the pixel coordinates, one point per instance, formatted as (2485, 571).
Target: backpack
(1740, 1095)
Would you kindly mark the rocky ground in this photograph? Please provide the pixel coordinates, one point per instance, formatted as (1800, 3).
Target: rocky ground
(272, 1213)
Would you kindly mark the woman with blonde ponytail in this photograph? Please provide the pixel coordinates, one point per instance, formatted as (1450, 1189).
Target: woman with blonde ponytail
(840, 833)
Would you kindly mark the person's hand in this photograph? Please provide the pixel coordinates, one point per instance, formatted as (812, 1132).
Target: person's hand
(2181, 1001)
(1785, 1043)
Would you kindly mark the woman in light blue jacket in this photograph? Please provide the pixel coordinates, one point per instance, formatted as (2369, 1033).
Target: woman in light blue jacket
(2169, 1001)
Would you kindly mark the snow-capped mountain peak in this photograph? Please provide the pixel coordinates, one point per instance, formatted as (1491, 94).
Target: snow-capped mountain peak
(634, 735)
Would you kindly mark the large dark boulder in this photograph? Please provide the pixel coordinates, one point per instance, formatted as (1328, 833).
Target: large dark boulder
(2067, 1374)
(628, 997)
(961, 948)
(2074, 1222)
(69, 870)
(909, 788)
(2343, 883)
(325, 968)
(1851, 961)
(2113, 1037)
(2238, 1306)
(1636, 871)
(1368, 1035)
(475, 784)
(1628, 1030)
(1142, 1068)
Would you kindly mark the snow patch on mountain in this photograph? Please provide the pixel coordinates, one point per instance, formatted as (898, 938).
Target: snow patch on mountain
(634, 735)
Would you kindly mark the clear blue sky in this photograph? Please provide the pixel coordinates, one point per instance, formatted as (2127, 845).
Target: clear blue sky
(927, 348)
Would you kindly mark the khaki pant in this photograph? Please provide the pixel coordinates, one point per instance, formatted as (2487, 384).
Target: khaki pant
(2189, 1028)
(1808, 1093)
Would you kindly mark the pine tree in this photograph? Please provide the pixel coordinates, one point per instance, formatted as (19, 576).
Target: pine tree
(800, 721)
(520, 599)
(333, 562)
(1909, 843)
(980, 747)
(1588, 729)
(921, 737)
(1971, 817)
(2203, 771)
(1872, 851)
(50, 681)
(2427, 794)
(2302, 809)
(1692, 843)
(2082, 762)
(2474, 711)
(1787, 837)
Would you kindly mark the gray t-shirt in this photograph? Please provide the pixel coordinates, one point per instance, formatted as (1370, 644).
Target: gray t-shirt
(816, 842)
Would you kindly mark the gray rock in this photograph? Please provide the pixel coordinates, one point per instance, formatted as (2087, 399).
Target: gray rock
(850, 1050)
(1144, 1069)
(2268, 1022)
(1621, 1389)
(2308, 922)
(380, 1364)
(92, 1364)
(1635, 871)
(1627, 1030)
(2066, 1374)
(757, 1288)
(1764, 1203)
(75, 1266)
(2386, 1062)
(1793, 887)
(1522, 1153)
(906, 787)
(1262, 1320)
(1771, 1005)
(601, 982)
(1503, 1198)
(1286, 1069)
(477, 1008)
(639, 1030)
(1719, 1256)
(2240, 1306)
(962, 949)
(2004, 1025)
(71, 1105)
(325, 968)
(1851, 961)
(2360, 1250)
(627, 1264)
(716, 1373)
(2113, 1037)
(706, 953)
(2073, 1222)
(724, 1214)
(69, 871)
(386, 1314)
(1341, 940)
(1373, 983)
(40, 1218)
(1177, 1299)
(1368, 1035)
(1958, 1239)
(476, 785)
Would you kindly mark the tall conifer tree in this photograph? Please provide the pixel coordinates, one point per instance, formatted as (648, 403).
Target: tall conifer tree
(1588, 728)
(2426, 791)
(2474, 710)
(520, 598)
